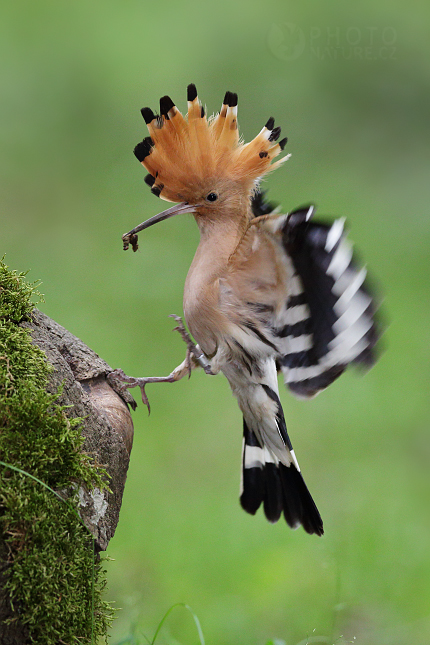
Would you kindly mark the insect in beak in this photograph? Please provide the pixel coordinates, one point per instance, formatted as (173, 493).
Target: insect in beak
(131, 237)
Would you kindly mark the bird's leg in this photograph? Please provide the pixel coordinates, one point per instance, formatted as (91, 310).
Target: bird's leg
(193, 350)
(194, 358)
(123, 382)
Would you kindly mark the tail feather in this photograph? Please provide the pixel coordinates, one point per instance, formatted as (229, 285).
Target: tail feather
(299, 507)
(280, 488)
(253, 489)
(273, 497)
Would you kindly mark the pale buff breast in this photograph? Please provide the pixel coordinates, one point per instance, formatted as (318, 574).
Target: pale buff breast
(221, 288)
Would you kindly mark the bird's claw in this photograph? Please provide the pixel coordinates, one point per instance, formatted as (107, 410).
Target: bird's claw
(193, 358)
(141, 382)
(123, 382)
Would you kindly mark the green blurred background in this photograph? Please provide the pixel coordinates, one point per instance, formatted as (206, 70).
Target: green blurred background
(350, 86)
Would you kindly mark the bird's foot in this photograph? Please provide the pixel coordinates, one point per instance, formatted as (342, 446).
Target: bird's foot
(124, 382)
(194, 358)
(193, 350)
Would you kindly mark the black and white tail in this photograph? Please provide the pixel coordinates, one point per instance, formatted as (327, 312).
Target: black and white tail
(280, 488)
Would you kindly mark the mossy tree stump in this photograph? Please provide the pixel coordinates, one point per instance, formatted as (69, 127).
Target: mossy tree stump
(50, 581)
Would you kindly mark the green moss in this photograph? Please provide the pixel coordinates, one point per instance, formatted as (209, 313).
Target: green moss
(50, 581)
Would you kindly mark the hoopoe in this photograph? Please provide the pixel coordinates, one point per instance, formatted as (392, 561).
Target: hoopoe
(265, 292)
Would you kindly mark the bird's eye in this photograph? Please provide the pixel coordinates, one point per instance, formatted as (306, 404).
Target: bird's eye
(212, 197)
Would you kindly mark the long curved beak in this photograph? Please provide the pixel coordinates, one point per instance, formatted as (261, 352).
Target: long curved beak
(131, 237)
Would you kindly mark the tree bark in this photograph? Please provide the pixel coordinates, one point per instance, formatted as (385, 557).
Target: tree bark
(107, 425)
(107, 428)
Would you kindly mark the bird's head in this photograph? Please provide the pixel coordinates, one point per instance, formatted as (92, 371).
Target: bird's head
(201, 163)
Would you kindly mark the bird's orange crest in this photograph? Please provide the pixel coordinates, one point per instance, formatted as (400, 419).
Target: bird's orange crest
(182, 154)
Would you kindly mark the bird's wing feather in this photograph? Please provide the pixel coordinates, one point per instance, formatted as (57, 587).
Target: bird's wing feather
(328, 320)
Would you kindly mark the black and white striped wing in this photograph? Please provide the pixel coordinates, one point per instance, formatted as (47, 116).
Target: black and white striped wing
(329, 319)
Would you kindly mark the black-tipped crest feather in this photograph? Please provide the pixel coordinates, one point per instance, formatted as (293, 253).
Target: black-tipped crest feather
(166, 104)
(274, 135)
(149, 180)
(283, 143)
(143, 149)
(270, 123)
(191, 92)
(147, 114)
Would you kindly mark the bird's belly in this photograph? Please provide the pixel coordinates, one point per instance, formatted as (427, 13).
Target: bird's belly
(205, 322)
(227, 330)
